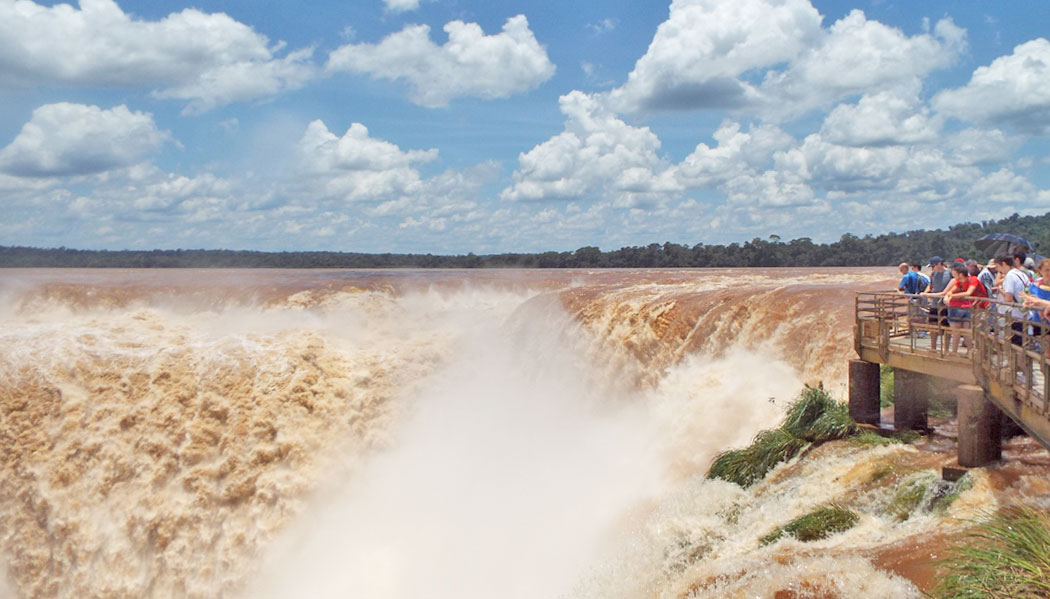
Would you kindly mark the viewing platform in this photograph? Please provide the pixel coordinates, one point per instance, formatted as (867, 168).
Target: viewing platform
(1002, 370)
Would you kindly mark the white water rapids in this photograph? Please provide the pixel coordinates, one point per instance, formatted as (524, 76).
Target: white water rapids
(443, 435)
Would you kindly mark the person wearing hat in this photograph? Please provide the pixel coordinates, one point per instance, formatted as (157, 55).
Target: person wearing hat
(939, 279)
(1029, 267)
(987, 276)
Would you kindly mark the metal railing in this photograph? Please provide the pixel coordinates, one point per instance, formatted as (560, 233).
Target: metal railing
(1006, 347)
(885, 319)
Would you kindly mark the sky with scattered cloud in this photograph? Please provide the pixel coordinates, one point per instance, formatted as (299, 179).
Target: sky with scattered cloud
(455, 126)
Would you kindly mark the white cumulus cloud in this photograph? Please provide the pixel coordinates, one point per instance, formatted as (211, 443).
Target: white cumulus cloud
(470, 63)
(208, 59)
(357, 167)
(737, 153)
(774, 58)
(859, 56)
(769, 189)
(699, 53)
(884, 118)
(598, 155)
(73, 139)
(980, 147)
(1014, 90)
(401, 5)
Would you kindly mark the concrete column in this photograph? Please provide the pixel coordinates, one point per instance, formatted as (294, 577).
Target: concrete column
(979, 423)
(911, 392)
(864, 391)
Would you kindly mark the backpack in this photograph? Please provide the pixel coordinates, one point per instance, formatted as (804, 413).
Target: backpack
(924, 281)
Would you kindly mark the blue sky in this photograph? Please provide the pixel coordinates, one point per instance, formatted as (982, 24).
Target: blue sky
(461, 126)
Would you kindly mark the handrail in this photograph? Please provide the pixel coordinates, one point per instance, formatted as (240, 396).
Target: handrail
(1008, 353)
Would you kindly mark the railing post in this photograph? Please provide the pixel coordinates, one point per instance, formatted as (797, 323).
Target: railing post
(864, 392)
(980, 440)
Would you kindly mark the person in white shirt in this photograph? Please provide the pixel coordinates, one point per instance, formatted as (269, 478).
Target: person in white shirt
(1012, 283)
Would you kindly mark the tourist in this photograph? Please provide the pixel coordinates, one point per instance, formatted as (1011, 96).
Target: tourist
(959, 298)
(1012, 282)
(1038, 297)
(974, 267)
(1029, 267)
(909, 280)
(924, 281)
(1020, 260)
(939, 280)
(987, 276)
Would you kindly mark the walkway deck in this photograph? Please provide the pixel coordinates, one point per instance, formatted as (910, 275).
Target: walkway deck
(892, 329)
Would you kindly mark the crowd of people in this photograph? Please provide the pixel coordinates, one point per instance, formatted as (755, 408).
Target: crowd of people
(1014, 284)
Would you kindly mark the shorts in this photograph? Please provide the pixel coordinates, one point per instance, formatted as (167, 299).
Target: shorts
(959, 314)
(938, 316)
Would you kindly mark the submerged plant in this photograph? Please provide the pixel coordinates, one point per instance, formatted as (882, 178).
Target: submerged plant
(882, 471)
(940, 504)
(818, 524)
(926, 492)
(908, 436)
(1007, 557)
(911, 494)
(809, 406)
(812, 418)
(749, 465)
(815, 416)
(869, 438)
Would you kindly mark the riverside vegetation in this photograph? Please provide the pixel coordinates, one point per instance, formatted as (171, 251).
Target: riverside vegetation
(1004, 555)
(849, 250)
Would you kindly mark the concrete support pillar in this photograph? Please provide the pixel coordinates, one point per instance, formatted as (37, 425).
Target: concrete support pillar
(864, 392)
(979, 424)
(911, 392)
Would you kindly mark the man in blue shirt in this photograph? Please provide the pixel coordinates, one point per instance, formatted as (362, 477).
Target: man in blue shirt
(913, 283)
(910, 281)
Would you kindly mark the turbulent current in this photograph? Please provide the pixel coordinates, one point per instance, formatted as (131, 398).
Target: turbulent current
(434, 434)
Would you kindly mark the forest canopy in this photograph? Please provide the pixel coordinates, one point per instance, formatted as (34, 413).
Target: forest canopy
(849, 250)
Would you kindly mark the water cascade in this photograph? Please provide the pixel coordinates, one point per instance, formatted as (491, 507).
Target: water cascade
(431, 433)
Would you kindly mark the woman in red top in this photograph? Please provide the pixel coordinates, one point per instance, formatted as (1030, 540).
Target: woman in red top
(959, 297)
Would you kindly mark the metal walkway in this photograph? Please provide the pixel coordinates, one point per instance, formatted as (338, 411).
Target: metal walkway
(1002, 355)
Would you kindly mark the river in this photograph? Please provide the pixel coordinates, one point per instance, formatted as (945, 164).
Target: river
(439, 433)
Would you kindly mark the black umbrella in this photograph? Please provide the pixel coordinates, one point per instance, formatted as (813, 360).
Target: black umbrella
(1002, 243)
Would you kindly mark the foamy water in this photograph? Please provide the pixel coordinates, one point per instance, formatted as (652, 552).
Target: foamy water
(421, 434)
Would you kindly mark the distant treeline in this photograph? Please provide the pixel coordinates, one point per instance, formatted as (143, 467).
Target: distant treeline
(849, 250)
